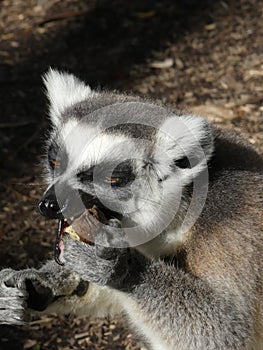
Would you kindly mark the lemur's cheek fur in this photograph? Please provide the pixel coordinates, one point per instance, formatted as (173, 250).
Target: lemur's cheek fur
(97, 264)
(70, 254)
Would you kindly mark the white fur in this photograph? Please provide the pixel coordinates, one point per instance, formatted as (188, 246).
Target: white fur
(142, 324)
(87, 145)
(179, 137)
(63, 91)
(98, 302)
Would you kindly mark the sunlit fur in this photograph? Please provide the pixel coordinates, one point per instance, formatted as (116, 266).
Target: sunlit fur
(63, 91)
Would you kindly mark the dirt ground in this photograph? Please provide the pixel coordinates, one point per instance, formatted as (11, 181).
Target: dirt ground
(204, 56)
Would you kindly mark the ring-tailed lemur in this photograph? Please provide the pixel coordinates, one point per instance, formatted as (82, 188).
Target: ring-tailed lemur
(184, 261)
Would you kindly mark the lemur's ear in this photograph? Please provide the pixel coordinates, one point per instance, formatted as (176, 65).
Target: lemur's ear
(184, 143)
(63, 90)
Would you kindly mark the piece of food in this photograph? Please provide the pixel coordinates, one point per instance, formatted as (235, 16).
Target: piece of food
(81, 229)
(73, 234)
(87, 223)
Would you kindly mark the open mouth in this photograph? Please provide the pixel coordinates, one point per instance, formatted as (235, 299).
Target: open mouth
(82, 227)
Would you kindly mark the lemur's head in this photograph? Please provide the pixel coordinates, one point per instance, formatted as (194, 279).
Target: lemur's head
(131, 158)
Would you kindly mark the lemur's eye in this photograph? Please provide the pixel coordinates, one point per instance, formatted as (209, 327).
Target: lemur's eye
(122, 175)
(55, 155)
(57, 159)
(120, 180)
(114, 180)
(54, 163)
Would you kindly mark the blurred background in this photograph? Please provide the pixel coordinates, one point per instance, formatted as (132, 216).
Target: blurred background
(198, 55)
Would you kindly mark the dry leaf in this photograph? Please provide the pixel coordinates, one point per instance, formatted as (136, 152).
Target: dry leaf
(167, 63)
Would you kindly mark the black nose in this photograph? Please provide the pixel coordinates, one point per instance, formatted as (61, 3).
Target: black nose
(49, 208)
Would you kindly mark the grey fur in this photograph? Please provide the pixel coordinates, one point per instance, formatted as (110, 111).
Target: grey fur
(12, 300)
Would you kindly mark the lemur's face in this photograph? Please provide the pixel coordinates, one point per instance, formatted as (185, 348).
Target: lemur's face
(131, 159)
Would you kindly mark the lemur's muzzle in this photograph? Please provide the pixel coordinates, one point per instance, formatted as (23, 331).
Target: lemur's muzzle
(66, 205)
(61, 203)
(64, 202)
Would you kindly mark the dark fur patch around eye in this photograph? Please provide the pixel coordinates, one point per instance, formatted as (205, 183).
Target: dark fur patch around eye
(86, 175)
(124, 172)
(121, 176)
(182, 163)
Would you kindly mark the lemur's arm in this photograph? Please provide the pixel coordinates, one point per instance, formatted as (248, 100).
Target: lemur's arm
(174, 309)
(52, 288)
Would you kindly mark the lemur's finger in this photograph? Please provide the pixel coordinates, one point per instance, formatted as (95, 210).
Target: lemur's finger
(12, 303)
(10, 317)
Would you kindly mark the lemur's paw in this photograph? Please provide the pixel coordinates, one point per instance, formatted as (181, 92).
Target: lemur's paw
(23, 290)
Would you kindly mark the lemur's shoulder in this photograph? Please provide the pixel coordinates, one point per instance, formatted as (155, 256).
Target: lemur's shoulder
(233, 153)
